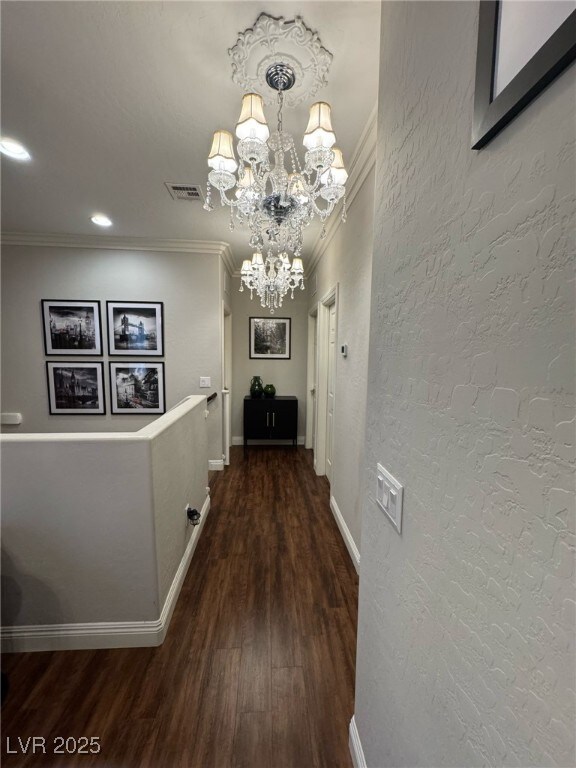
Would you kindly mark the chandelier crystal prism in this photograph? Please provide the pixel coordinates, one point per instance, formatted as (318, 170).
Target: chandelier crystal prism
(270, 191)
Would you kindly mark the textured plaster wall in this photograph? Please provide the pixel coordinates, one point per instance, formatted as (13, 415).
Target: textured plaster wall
(189, 286)
(347, 262)
(288, 376)
(466, 627)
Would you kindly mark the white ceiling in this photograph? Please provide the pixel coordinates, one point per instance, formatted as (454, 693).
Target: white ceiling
(112, 99)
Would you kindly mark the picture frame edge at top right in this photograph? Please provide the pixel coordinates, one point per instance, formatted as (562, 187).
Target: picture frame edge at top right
(493, 113)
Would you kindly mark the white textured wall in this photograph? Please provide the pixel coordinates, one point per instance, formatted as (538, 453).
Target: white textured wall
(347, 261)
(288, 376)
(466, 628)
(189, 286)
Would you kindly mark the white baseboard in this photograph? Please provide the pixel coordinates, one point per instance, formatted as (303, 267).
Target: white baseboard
(215, 464)
(239, 440)
(113, 634)
(179, 576)
(355, 746)
(346, 535)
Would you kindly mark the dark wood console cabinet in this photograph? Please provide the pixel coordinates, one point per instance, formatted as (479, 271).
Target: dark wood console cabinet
(271, 418)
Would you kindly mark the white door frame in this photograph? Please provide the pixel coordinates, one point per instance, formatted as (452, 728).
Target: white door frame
(330, 298)
(226, 382)
(311, 383)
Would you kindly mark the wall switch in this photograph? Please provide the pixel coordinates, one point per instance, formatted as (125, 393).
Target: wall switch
(344, 350)
(205, 382)
(389, 495)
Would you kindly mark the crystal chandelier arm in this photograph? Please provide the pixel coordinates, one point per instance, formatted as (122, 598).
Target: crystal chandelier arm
(225, 201)
(323, 213)
(314, 186)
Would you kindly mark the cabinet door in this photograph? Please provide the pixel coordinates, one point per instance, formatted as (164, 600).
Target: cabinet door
(257, 419)
(285, 419)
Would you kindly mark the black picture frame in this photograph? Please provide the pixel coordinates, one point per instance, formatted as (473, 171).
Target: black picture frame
(75, 388)
(129, 392)
(71, 327)
(270, 338)
(146, 318)
(491, 115)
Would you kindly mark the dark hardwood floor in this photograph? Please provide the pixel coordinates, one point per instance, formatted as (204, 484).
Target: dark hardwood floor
(257, 669)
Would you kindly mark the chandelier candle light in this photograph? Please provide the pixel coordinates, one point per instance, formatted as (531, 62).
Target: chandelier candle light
(270, 191)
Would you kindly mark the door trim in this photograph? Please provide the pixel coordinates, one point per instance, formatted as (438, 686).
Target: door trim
(311, 383)
(226, 363)
(323, 328)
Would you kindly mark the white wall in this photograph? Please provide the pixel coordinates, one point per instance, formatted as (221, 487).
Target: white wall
(77, 531)
(94, 531)
(179, 478)
(189, 286)
(288, 376)
(466, 626)
(347, 262)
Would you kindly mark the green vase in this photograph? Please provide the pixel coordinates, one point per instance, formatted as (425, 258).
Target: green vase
(256, 387)
(269, 390)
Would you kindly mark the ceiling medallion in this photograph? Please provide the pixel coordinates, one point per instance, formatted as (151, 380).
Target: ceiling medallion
(277, 39)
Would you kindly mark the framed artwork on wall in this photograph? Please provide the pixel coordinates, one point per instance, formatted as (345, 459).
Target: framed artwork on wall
(137, 388)
(135, 328)
(71, 327)
(75, 388)
(270, 338)
(522, 47)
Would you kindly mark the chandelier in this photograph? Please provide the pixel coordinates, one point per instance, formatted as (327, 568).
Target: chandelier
(270, 191)
(272, 279)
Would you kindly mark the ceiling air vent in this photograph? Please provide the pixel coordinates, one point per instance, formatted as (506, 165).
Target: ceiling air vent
(185, 191)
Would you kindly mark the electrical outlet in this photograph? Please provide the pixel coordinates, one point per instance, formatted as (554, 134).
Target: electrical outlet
(205, 382)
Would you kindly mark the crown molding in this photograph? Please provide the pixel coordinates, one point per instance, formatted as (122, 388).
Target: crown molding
(103, 242)
(362, 163)
(227, 257)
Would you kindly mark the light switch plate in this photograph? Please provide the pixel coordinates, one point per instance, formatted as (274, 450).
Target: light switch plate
(389, 495)
(205, 382)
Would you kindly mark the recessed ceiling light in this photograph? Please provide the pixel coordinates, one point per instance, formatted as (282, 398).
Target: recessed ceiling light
(14, 149)
(101, 219)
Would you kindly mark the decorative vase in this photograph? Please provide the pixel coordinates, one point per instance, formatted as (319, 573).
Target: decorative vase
(269, 390)
(256, 387)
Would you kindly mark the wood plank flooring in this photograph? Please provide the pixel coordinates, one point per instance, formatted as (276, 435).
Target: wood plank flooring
(257, 669)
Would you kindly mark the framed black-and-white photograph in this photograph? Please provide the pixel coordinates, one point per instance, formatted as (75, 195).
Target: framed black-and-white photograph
(270, 338)
(135, 328)
(72, 327)
(522, 47)
(75, 388)
(137, 387)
